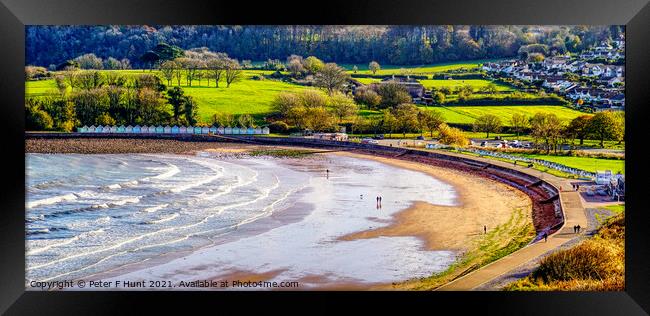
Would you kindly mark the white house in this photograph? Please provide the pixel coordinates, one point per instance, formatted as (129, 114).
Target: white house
(258, 130)
(227, 130)
(121, 129)
(167, 129)
(112, 129)
(205, 130)
(175, 130)
(92, 129)
(265, 130)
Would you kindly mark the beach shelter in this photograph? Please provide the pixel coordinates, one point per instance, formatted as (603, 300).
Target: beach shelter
(220, 130)
(144, 129)
(258, 130)
(128, 129)
(83, 129)
(99, 129)
(167, 129)
(205, 130)
(112, 129)
(151, 129)
(227, 130)
(189, 130)
(137, 129)
(91, 129)
(159, 129)
(235, 131)
(197, 130)
(250, 131)
(213, 130)
(175, 129)
(121, 129)
(182, 129)
(265, 130)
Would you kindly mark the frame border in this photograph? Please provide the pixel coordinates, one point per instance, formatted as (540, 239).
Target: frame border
(15, 14)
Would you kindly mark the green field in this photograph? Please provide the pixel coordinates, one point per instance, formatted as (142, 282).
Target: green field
(419, 69)
(468, 114)
(583, 163)
(453, 83)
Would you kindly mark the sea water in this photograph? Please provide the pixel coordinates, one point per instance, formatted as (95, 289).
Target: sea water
(89, 214)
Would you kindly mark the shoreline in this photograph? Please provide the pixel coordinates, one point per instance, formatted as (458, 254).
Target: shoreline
(415, 221)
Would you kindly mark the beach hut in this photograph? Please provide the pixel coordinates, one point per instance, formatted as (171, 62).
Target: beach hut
(91, 129)
(189, 130)
(175, 130)
(205, 130)
(227, 130)
(99, 129)
(128, 129)
(137, 129)
(258, 130)
(121, 129)
(144, 129)
(112, 129)
(83, 129)
(197, 130)
(151, 129)
(265, 130)
(250, 131)
(182, 130)
(167, 129)
(160, 129)
(220, 130)
(213, 130)
(235, 131)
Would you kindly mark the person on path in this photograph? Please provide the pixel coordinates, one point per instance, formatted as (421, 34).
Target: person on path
(575, 229)
(545, 237)
(578, 229)
(484, 229)
(328, 173)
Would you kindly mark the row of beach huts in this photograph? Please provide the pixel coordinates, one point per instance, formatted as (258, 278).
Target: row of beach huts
(174, 130)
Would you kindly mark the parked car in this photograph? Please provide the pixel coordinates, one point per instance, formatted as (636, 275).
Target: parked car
(380, 136)
(483, 144)
(369, 141)
(420, 138)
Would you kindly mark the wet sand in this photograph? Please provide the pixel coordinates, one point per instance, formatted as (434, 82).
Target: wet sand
(480, 202)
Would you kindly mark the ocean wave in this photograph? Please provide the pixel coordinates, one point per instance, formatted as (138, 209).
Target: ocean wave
(52, 200)
(155, 208)
(165, 219)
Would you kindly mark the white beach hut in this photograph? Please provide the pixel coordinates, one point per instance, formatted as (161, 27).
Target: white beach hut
(258, 130)
(213, 129)
(189, 130)
(160, 129)
(83, 129)
(197, 130)
(151, 129)
(91, 129)
(175, 130)
(236, 130)
(167, 129)
(137, 129)
(128, 129)
(112, 129)
(250, 131)
(121, 129)
(227, 130)
(182, 130)
(220, 130)
(99, 129)
(205, 130)
(144, 129)
(265, 130)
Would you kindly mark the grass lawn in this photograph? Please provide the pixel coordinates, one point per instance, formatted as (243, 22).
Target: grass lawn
(453, 83)
(418, 69)
(583, 163)
(468, 114)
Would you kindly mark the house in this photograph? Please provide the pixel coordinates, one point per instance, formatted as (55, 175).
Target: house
(227, 130)
(414, 88)
(137, 129)
(83, 129)
(121, 129)
(235, 131)
(112, 129)
(265, 130)
(175, 129)
(167, 129)
(250, 131)
(205, 130)
(128, 129)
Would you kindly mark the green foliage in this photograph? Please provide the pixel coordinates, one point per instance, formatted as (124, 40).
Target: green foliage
(393, 94)
(488, 123)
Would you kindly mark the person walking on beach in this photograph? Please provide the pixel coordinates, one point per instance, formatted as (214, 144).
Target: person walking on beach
(380, 201)
(484, 229)
(578, 227)
(574, 229)
(361, 197)
(327, 171)
(545, 237)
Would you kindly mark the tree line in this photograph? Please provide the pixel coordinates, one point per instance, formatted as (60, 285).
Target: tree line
(399, 45)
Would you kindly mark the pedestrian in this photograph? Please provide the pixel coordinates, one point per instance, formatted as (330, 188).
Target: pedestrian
(545, 237)
(484, 229)
(360, 196)
(328, 173)
(578, 229)
(515, 162)
(575, 229)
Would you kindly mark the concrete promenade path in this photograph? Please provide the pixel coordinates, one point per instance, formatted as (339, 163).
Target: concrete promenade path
(574, 214)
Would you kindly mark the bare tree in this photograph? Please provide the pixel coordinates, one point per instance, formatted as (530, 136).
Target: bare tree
(233, 71)
(332, 77)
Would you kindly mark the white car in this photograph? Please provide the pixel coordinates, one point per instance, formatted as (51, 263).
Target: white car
(369, 141)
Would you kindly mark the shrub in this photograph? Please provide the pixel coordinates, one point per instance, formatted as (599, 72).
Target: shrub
(278, 127)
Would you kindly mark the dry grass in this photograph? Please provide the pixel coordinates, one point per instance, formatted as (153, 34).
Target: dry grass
(597, 264)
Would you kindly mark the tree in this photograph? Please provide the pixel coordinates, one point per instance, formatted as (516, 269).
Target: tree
(605, 126)
(176, 99)
(216, 68)
(105, 119)
(407, 117)
(452, 136)
(366, 96)
(313, 65)
(331, 78)
(89, 61)
(233, 72)
(355, 69)
(389, 121)
(490, 89)
(342, 105)
(245, 120)
(284, 102)
(89, 79)
(488, 123)
(149, 58)
(519, 122)
(439, 98)
(168, 68)
(89, 104)
(312, 98)
(546, 127)
(374, 67)
(393, 94)
(294, 65)
(579, 128)
(191, 109)
(430, 120)
(35, 118)
(535, 58)
(319, 119)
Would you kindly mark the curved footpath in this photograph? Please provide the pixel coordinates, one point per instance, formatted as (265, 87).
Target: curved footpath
(574, 214)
